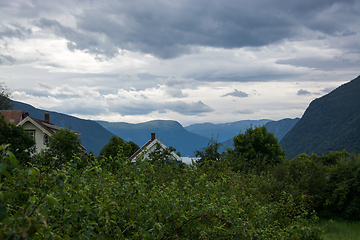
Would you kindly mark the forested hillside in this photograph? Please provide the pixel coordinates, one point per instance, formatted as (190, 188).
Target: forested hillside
(330, 123)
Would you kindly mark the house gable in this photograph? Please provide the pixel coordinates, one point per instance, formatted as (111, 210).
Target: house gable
(41, 130)
(149, 147)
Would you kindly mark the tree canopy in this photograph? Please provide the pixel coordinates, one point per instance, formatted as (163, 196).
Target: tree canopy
(161, 156)
(64, 144)
(5, 102)
(256, 148)
(117, 144)
(21, 143)
(209, 153)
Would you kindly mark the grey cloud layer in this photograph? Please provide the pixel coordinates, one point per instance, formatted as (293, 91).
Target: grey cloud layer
(146, 107)
(303, 92)
(237, 93)
(168, 29)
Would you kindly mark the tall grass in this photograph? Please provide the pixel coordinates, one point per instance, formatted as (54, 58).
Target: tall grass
(340, 229)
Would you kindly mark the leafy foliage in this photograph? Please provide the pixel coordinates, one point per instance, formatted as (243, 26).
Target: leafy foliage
(153, 198)
(5, 102)
(209, 153)
(343, 189)
(116, 144)
(64, 144)
(302, 176)
(161, 156)
(125, 200)
(20, 142)
(255, 149)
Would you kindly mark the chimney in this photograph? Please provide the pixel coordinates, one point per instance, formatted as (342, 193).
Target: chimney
(47, 117)
(152, 136)
(25, 115)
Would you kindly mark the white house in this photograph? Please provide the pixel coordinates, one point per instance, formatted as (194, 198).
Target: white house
(149, 147)
(40, 130)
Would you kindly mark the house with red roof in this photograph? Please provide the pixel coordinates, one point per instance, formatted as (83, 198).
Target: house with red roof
(40, 130)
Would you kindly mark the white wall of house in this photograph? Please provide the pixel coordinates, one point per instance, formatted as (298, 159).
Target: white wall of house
(39, 136)
(152, 147)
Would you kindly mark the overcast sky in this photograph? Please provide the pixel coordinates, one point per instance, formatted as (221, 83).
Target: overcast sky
(187, 60)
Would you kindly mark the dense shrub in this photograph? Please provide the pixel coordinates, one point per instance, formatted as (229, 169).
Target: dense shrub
(116, 144)
(255, 150)
(343, 189)
(303, 175)
(121, 199)
(21, 143)
(209, 153)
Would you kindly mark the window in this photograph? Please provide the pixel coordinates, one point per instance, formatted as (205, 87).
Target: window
(46, 139)
(31, 133)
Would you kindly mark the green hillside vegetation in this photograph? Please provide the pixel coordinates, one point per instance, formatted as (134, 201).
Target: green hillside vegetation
(330, 123)
(250, 192)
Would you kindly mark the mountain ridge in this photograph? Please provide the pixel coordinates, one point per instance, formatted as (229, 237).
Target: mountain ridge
(330, 123)
(223, 131)
(170, 132)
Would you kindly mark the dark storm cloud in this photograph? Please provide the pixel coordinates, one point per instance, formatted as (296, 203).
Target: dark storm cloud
(302, 92)
(168, 29)
(236, 93)
(78, 40)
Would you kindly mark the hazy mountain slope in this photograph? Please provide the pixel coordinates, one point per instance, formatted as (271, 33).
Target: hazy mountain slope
(330, 123)
(279, 128)
(225, 130)
(282, 127)
(94, 136)
(171, 133)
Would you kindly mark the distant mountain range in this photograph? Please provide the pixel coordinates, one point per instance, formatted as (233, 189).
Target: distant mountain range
(282, 127)
(223, 131)
(279, 128)
(96, 134)
(171, 133)
(330, 123)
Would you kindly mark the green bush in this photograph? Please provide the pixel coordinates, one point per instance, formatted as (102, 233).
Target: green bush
(21, 144)
(255, 150)
(303, 176)
(343, 189)
(136, 202)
